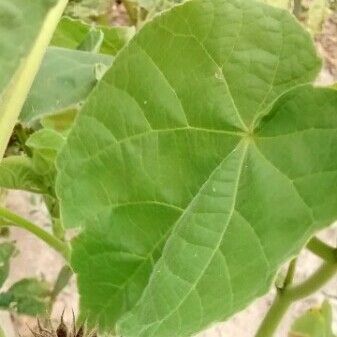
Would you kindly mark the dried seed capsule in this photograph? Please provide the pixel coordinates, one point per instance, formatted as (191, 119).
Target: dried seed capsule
(43, 332)
(62, 330)
(80, 331)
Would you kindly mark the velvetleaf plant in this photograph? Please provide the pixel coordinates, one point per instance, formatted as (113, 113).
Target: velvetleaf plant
(202, 161)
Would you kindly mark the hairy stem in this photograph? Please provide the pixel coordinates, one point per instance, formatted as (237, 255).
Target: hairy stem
(17, 221)
(289, 294)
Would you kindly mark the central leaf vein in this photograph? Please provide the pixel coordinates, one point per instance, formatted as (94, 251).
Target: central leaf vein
(221, 236)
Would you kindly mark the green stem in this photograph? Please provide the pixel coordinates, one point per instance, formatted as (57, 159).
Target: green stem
(322, 250)
(290, 274)
(287, 296)
(17, 221)
(315, 282)
(274, 316)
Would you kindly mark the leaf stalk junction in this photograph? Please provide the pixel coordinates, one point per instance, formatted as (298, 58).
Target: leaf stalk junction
(288, 293)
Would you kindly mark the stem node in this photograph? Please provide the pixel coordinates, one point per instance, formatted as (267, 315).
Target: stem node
(288, 294)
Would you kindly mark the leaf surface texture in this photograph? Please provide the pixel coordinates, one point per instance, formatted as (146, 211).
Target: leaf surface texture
(190, 169)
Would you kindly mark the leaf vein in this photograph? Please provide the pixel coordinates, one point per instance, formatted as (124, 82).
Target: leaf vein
(216, 249)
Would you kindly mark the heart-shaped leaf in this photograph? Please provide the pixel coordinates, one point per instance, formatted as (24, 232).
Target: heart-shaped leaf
(206, 149)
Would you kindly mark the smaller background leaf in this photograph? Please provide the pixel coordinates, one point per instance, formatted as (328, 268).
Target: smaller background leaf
(314, 323)
(46, 139)
(17, 172)
(45, 145)
(65, 79)
(28, 296)
(92, 41)
(62, 280)
(71, 33)
(60, 122)
(7, 250)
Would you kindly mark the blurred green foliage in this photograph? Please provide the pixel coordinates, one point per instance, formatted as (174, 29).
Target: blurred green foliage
(316, 322)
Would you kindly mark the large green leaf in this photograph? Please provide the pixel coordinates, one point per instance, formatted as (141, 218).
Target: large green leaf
(65, 79)
(170, 150)
(26, 28)
(70, 33)
(255, 211)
